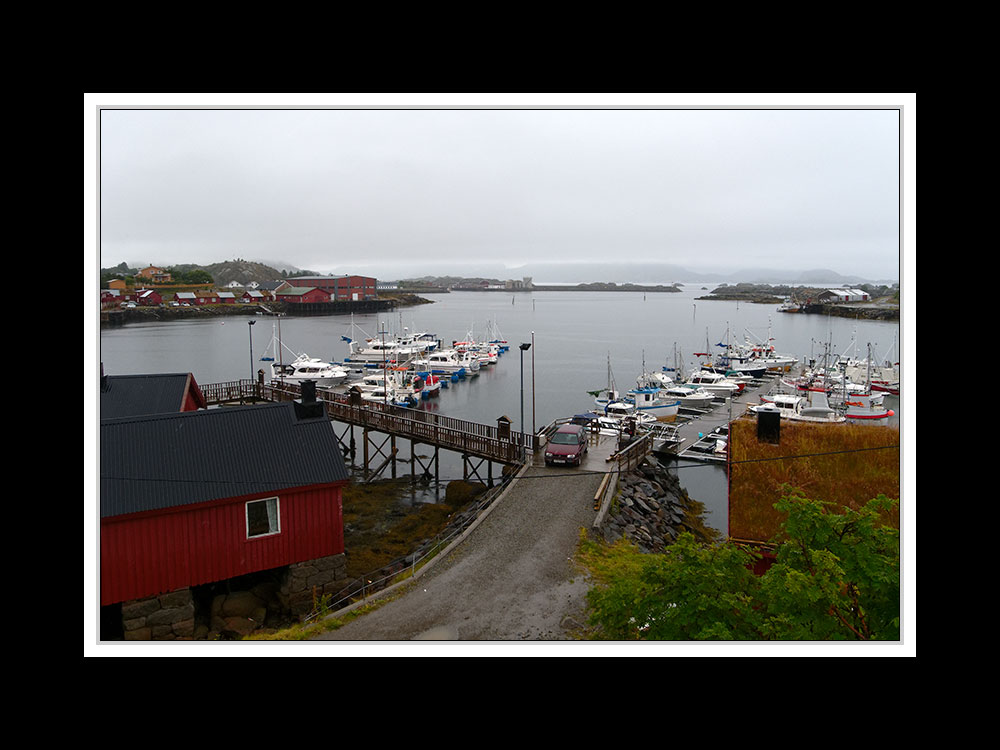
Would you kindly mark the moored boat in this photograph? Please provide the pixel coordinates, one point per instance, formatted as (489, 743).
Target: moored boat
(715, 383)
(799, 409)
(304, 367)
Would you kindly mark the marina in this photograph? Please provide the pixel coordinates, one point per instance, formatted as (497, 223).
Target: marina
(567, 339)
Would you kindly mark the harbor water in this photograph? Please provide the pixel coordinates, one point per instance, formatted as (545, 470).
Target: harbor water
(576, 337)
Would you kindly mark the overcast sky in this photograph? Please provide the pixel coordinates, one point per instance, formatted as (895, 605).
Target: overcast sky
(370, 190)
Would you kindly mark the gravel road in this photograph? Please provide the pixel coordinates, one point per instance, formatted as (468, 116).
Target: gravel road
(511, 579)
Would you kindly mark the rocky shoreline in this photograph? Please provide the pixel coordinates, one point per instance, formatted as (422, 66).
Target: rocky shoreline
(651, 510)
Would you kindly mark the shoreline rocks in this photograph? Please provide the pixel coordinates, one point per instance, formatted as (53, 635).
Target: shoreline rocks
(651, 509)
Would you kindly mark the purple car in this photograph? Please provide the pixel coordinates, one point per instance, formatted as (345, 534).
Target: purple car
(567, 445)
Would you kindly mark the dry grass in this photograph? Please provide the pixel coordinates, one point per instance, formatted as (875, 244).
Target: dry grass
(845, 464)
(381, 525)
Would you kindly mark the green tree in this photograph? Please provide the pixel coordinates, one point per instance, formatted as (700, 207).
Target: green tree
(836, 577)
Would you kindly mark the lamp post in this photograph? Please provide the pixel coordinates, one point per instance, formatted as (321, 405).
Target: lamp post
(250, 331)
(524, 348)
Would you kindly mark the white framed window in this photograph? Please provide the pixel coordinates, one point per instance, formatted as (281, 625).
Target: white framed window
(262, 517)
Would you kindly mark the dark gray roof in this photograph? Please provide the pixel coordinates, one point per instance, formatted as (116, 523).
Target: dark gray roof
(135, 395)
(168, 460)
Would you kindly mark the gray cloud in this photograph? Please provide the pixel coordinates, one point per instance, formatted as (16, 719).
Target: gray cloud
(332, 189)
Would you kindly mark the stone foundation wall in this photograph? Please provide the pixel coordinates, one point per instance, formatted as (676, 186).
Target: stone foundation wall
(325, 575)
(173, 616)
(166, 617)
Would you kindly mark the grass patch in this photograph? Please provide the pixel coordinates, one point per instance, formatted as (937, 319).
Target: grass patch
(380, 525)
(844, 464)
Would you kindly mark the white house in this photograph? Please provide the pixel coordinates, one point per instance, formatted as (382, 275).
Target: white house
(843, 295)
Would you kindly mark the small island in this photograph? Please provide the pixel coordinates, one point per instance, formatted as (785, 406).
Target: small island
(869, 301)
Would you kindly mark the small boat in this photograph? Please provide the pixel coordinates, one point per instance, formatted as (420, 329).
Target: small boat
(621, 411)
(690, 396)
(432, 386)
(711, 447)
(866, 407)
(715, 383)
(733, 358)
(653, 402)
(389, 395)
(441, 361)
(304, 367)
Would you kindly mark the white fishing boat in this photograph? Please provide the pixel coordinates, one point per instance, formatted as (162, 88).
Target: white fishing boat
(304, 367)
(653, 402)
(733, 359)
(882, 375)
(763, 352)
(799, 409)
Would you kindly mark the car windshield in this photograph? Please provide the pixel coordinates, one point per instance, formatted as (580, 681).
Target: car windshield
(565, 438)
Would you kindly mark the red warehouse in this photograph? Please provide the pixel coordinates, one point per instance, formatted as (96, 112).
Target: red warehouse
(301, 294)
(354, 288)
(192, 498)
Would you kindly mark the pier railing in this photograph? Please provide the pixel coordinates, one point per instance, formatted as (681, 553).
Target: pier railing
(473, 438)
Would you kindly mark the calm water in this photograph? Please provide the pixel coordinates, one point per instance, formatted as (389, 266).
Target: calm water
(575, 334)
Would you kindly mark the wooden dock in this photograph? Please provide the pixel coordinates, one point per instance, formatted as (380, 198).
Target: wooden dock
(479, 444)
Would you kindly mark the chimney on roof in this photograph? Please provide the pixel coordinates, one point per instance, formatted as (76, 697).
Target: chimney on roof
(768, 424)
(307, 407)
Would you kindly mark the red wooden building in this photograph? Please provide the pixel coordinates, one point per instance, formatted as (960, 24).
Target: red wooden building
(346, 287)
(148, 297)
(301, 294)
(191, 498)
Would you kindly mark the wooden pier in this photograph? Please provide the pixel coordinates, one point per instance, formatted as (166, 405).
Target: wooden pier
(480, 445)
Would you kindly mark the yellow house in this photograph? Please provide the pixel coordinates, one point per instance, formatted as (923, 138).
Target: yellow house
(154, 274)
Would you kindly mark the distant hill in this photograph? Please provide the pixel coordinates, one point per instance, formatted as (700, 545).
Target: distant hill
(242, 272)
(239, 270)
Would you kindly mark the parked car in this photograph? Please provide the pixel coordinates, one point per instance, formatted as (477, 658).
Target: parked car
(568, 445)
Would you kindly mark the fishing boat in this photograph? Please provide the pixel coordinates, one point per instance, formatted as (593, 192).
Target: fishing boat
(866, 407)
(798, 409)
(763, 352)
(653, 402)
(881, 377)
(733, 359)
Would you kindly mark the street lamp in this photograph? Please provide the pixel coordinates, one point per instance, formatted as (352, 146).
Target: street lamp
(524, 348)
(250, 331)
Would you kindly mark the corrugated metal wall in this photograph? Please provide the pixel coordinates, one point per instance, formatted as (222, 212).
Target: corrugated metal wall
(148, 554)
